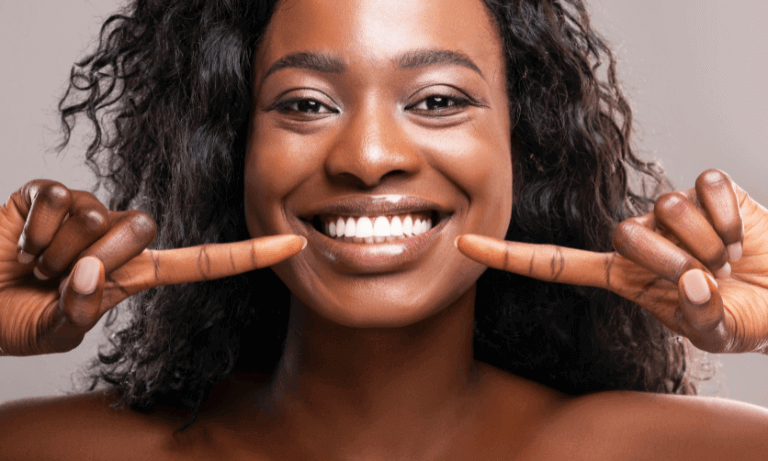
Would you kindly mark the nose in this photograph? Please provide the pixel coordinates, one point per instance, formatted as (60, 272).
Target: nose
(371, 147)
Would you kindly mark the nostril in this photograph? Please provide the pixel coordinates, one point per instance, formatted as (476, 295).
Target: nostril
(368, 181)
(371, 158)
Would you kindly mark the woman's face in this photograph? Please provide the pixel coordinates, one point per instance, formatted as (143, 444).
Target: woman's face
(373, 114)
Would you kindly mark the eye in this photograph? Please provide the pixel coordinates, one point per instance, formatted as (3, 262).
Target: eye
(440, 104)
(304, 105)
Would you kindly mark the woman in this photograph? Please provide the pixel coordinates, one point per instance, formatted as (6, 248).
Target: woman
(462, 118)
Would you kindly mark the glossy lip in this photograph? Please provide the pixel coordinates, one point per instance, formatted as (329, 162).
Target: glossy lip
(369, 258)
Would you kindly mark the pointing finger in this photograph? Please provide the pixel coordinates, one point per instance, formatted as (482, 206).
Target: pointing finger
(550, 263)
(154, 268)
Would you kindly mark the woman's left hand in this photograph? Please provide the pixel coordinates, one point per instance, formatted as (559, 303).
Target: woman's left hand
(698, 263)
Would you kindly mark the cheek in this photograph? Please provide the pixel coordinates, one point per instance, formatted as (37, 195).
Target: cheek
(492, 182)
(492, 189)
(275, 165)
(478, 161)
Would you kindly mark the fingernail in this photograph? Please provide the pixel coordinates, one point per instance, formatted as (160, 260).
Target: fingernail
(303, 245)
(723, 272)
(456, 241)
(39, 275)
(696, 287)
(734, 251)
(86, 277)
(25, 258)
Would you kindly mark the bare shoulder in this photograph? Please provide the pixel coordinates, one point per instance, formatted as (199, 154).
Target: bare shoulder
(83, 426)
(637, 425)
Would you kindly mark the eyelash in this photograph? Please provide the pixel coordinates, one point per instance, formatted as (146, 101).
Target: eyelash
(286, 106)
(454, 103)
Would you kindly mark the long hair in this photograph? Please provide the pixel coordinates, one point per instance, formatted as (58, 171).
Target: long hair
(168, 94)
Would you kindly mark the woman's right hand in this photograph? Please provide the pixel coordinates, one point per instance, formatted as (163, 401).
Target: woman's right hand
(65, 260)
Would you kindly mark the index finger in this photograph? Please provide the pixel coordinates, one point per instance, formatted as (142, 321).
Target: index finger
(153, 268)
(550, 263)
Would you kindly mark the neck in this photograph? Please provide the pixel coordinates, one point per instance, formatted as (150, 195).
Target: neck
(386, 381)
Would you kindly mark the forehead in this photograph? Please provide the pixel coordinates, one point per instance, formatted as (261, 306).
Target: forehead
(377, 31)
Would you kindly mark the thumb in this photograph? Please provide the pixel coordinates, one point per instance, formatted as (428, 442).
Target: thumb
(703, 312)
(78, 309)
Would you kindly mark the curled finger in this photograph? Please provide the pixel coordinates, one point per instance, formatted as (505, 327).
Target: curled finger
(45, 205)
(650, 250)
(129, 235)
(716, 192)
(88, 221)
(679, 215)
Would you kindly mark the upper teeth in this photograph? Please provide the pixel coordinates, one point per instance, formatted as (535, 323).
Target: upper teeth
(376, 229)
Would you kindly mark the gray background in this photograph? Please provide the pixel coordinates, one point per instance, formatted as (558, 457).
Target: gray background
(693, 68)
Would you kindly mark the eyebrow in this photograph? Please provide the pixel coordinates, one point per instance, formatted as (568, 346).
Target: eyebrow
(425, 58)
(321, 62)
(330, 64)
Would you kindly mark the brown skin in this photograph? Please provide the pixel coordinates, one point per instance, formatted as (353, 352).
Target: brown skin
(718, 299)
(379, 363)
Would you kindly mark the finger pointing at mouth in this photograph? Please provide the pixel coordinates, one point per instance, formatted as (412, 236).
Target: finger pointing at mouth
(153, 268)
(550, 263)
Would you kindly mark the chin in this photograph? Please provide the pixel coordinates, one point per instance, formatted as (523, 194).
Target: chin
(383, 301)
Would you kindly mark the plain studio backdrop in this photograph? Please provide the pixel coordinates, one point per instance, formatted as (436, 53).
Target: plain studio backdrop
(694, 70)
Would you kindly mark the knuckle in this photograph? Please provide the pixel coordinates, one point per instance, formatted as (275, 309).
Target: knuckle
(142, 226)
(625, 232)
(671, 205)
(204, 261)
(712, 178)
(54, 195)
(93, 219)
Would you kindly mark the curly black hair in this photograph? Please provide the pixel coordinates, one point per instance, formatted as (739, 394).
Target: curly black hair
(168, 93)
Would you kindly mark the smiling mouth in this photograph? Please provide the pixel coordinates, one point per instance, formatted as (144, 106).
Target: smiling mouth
(362, 234)
(375, 229)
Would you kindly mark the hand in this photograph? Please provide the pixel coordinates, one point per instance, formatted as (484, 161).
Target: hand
(65, 260)
(698, 263)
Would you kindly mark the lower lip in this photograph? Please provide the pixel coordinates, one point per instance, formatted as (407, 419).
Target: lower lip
(362, 258)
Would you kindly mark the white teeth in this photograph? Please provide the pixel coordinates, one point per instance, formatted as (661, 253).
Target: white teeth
(396, 227)
(349, 228)
(364, 228)
(381, 229)
(408, 226)
(417, 227)
(376, 229)
(421, 226)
